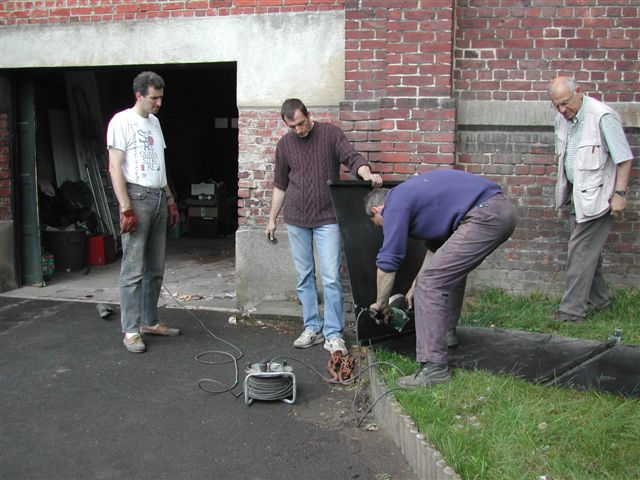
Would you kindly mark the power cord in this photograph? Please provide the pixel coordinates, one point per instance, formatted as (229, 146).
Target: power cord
(276, 388)
(270, 388)
(361, 372)
(230, 358)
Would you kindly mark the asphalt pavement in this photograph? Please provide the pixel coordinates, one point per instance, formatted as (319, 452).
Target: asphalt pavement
(74, 404)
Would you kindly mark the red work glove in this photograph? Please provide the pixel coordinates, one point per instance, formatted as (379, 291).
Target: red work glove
(174, 216)
(128, 221)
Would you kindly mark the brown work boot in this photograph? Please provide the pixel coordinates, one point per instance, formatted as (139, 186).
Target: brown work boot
(160, 329)
(134, 344)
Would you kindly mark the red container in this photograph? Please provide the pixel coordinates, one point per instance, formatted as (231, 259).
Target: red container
(101, 250)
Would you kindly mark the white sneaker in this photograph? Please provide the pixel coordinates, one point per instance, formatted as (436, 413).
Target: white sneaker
(308, 338)
(336, 344)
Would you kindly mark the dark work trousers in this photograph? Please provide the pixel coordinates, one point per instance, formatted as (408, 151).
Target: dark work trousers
(584, 284)
(440, 287)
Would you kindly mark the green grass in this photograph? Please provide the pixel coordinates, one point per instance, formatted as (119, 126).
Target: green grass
(534, 313)
(502, 427)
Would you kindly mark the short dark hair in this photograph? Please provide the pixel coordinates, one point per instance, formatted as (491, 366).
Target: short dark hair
(145, 80)
(290, 106)
(375, 197)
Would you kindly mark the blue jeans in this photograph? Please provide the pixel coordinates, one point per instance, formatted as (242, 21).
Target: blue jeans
(327, 240)
(143, 254)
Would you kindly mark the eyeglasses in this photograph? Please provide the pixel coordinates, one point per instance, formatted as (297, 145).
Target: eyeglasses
(564, 103)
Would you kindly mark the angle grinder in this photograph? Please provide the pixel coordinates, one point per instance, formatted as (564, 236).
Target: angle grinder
(397, 316)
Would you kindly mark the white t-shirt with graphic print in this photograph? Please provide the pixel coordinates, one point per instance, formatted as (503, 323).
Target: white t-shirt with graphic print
(143, 145)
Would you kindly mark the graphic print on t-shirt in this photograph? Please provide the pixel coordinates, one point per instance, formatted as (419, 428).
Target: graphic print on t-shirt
(147, 159)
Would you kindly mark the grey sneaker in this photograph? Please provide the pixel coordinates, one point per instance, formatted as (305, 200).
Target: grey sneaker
(452, 338)
(134, 344)
(336, 344)
(428, 375)
(308, 338)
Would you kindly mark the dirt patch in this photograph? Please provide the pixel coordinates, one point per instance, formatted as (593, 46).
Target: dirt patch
(336, 412)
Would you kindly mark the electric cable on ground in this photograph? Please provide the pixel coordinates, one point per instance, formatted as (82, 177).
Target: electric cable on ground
(277, 387)
(269, 388)
(360, 373)
(231, 358)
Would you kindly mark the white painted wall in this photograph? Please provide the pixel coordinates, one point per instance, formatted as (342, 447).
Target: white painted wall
(278, 55)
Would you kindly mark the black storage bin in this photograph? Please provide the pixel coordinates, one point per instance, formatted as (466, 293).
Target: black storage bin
(203, 227)
(69, 248)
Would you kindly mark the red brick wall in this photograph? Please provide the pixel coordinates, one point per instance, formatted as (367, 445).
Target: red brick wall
(407, 63)
(259, 131)
(507, 50)
(71, 11)
(398, 104)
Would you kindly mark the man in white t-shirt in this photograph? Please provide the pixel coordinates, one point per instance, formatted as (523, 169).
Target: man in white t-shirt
(136, 164)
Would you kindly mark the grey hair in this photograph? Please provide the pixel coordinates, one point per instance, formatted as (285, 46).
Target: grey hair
(569, 82)
(374, 198)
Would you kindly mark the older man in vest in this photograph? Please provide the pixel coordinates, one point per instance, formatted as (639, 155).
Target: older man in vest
(594, 166)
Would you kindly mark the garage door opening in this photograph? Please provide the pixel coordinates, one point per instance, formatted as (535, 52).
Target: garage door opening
(199, 122)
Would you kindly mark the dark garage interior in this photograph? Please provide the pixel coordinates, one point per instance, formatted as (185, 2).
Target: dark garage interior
(199, 121)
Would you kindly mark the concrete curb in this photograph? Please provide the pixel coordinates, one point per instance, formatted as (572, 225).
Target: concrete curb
(427, 462)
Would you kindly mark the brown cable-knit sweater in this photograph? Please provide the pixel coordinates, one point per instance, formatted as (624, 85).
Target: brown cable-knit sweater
(303, 167)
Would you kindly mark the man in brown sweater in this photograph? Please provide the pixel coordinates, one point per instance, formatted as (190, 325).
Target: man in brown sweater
(306, 159)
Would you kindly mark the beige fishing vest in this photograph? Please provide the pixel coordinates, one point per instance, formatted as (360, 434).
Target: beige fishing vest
(594, 171)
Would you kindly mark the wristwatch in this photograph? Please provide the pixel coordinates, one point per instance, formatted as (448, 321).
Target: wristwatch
(622, 193)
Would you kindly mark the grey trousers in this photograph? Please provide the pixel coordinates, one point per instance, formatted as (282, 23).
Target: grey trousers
(143, 256)
(584, 283)
(440, 287)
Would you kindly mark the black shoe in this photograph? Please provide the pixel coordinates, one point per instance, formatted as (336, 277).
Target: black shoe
(428, 375)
